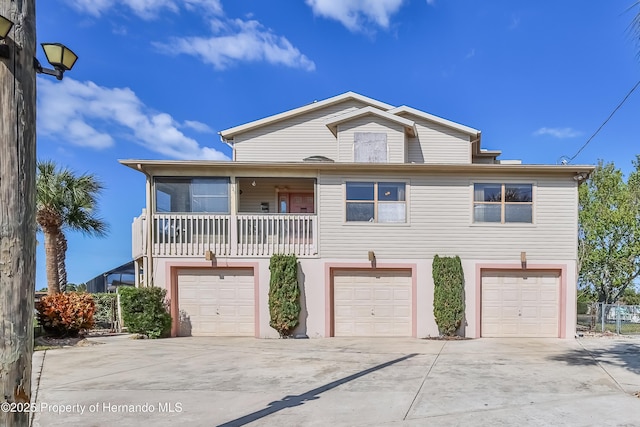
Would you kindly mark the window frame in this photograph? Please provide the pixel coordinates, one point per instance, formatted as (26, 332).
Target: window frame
(376, 202)
(503, 203)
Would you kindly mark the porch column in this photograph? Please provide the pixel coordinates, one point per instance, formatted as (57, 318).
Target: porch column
(233, 219)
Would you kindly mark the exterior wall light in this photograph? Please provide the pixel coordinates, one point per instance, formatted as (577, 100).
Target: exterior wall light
(60, 57)
(5, 27)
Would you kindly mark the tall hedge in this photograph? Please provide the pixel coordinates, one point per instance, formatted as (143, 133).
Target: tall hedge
(284, 294)
(448, 298)
(145, 311)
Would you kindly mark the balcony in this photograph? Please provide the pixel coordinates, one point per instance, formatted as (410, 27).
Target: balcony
(242, 235)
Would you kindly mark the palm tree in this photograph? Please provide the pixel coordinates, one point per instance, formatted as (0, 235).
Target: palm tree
(64, 201)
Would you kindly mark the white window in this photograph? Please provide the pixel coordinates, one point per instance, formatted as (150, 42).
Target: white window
(383, 202)
(503, 203)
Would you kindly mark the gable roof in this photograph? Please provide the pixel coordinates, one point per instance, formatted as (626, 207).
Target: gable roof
(333, 123)
(316, 105)
(435, 119)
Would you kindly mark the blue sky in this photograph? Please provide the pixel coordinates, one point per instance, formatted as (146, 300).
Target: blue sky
(157, 79)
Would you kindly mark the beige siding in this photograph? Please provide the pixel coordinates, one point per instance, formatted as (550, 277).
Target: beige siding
(266, 190)
(395, 137)
(437, 144)
(293, 139)
(440, 216)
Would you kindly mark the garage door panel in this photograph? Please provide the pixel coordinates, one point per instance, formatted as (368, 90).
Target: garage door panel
(529, 295)
(402, 294)
(520, 304)
(361, 311)
(404, 312)
(509, 294)
(343, 294)
(383, 311)
(343, 311)
(370, 303)
(382, 294)
(363, 329)
(362, 294)
(229, 294)
(189, 292)
(217, 302)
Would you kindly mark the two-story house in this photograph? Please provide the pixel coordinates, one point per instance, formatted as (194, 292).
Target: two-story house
(365, 194)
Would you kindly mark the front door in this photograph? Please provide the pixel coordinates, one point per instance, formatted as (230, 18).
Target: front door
(296, 203)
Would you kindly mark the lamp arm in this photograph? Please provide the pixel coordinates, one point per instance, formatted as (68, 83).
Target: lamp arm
(41, 70)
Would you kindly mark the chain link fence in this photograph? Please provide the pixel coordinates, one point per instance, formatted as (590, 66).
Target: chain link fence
(616, 318)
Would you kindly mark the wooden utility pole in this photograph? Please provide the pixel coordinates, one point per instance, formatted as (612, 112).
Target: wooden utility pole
(17, 209)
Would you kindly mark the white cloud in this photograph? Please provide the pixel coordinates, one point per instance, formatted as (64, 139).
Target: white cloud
(239, 41)
(232, 40)
(470, 54)
(197, 126)
(356, 15)
(146, 9)
(88, 115)
(431, 2)
(558, 132)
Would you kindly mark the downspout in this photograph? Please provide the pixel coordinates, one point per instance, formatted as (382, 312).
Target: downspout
(149, 238)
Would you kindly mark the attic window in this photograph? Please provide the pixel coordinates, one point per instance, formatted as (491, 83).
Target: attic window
(370, 147)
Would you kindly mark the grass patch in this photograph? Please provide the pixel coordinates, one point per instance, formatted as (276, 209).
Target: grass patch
(625, 328)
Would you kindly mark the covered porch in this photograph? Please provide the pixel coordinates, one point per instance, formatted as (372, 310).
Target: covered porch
(265, 216)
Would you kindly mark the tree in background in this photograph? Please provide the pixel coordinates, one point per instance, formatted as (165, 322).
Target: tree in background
(609, 232)
(64, 201)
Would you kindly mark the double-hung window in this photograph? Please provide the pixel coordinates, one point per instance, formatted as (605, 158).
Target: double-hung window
(503, 203)
(382, 202)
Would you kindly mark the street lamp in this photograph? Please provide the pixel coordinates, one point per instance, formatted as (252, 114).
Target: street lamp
(5, 27)
(59, 56)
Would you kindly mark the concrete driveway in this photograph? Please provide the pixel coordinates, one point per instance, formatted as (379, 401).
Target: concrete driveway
(339, 382)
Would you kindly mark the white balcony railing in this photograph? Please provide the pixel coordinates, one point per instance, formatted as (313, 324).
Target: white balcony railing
(243, 235)
(265, 235)
(191, 235)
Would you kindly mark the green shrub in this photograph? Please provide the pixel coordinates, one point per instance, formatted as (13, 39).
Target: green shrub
(583, 307)
(448, 298)
(145, 311)
(106, 309)
(284, 294)
(65, 315)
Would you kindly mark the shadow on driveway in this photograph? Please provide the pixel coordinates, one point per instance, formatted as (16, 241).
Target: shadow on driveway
(300, 399)
(622, 355)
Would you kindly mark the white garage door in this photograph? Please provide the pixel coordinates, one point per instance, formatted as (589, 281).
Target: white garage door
(372, 303)
(216, 302)
(519, 304)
